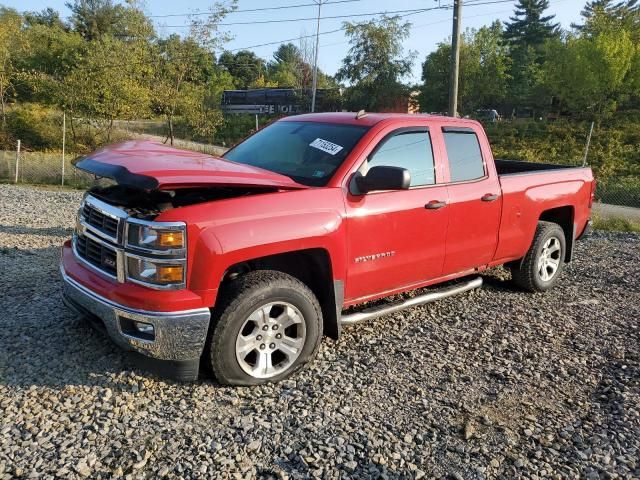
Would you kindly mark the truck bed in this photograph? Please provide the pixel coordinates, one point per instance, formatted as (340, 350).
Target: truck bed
(516, 167)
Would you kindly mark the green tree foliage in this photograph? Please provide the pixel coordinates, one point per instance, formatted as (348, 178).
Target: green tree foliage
(528, 30)
(93, 19)
(187, 83)
(244, 66)
(11, 45)
(288, 69)
(106, 88)
(376, 64)
(593, 72)
(599, 14)
(529, 26)
(484, 63)
(47, 17)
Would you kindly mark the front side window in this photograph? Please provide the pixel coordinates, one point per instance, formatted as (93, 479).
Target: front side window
(411, 150)
(307, 152)
(465, 157)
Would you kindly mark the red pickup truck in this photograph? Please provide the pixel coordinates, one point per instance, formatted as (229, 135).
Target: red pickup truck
(244, 262)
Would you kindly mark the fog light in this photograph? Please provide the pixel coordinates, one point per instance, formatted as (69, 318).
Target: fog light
(145, 328)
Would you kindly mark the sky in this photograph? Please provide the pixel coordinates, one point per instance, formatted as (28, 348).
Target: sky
(429, 27)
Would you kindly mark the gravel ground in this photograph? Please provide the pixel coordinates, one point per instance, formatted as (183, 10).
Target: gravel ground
(492, 384)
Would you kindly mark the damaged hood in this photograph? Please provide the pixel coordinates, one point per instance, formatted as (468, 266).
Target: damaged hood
(149, 166)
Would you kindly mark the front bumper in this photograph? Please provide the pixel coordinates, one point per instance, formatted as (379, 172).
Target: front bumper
(177, 341)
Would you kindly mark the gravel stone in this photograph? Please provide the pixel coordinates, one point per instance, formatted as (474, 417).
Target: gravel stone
(495, 383)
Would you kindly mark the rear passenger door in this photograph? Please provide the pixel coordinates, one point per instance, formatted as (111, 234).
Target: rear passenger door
(475, 201)
(394, 239)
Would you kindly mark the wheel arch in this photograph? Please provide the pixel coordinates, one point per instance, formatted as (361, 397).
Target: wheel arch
(562, 216)
(312, 267)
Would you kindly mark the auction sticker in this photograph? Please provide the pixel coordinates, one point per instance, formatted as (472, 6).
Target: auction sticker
(325, 146)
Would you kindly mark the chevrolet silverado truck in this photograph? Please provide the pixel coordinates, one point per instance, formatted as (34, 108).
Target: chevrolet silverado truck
(242, 263)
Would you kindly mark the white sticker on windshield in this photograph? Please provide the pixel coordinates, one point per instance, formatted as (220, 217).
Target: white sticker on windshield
(325, 146)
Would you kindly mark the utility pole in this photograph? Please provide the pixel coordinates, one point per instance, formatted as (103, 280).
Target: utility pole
(315, 61)
(455, 58)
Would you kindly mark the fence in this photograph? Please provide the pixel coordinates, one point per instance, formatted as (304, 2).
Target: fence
(41, 167)
(46, 168)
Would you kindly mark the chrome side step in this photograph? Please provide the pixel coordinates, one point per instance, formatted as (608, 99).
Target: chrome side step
(374, 312)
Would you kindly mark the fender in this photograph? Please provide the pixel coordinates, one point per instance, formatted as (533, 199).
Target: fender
(226, 232)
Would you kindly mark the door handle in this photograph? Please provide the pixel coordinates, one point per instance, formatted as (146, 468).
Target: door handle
(435, 204)
(489, 197)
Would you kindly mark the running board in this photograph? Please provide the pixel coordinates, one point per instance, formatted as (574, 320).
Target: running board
(374, 312)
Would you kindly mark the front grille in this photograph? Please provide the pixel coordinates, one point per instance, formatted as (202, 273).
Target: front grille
(100, 256)
(102, 222)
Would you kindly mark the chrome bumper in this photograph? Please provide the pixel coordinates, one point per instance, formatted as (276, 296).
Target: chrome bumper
(177, 336)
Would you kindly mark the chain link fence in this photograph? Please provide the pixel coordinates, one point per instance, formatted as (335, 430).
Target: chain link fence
(46, 168)
(619, 190)
(41, 168)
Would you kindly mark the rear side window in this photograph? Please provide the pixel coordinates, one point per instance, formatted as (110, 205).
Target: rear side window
(465, 157)
(411, 150)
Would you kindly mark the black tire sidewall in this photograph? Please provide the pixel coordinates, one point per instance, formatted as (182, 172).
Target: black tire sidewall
(551, 231)
(224, 358)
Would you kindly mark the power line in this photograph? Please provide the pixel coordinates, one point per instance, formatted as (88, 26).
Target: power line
(444, 20)
(262, 9)
(285, 20)
(413, 12)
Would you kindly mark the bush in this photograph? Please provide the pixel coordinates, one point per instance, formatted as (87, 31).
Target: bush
(36, 126)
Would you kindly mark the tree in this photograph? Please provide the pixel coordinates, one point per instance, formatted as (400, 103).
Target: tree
(484, 63)
(185, 78)
(589, 74)
(603, 15)
(106, 89)
(526, 34)
(51, 53)
(11, 42)
(528, 26)
(94, 18)
(615, 10)
(47, 17)
(245, 66)
(287, 53)
(376, 64)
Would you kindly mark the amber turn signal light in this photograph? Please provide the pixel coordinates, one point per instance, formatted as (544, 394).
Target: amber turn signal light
(173, 239)
(169, 273)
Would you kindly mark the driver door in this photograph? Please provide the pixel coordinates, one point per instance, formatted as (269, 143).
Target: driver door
(397, 238)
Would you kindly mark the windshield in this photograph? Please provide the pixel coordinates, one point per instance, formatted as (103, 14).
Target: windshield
(307, 152)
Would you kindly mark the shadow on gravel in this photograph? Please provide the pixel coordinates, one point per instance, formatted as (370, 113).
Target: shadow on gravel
(48, 231)
(41, 341)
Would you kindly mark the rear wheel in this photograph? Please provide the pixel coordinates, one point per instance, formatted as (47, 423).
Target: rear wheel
(268, 325)
(540, 268)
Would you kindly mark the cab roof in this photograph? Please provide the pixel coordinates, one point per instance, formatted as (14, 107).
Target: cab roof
(370, 119)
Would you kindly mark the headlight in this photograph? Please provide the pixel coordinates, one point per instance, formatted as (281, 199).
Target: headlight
(156, 236)
(155, 253)
(169, 273)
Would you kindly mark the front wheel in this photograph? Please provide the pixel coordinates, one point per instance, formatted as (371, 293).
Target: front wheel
(268, 325)
(540, 268)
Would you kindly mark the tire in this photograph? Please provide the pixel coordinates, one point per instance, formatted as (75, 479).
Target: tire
(533, 273)
(259, 314)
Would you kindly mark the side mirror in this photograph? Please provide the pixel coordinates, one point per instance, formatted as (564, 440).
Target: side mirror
(383, 178)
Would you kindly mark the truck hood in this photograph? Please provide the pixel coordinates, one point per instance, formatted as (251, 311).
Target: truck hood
(147, 165)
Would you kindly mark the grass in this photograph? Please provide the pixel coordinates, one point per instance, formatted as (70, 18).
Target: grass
(615, 224)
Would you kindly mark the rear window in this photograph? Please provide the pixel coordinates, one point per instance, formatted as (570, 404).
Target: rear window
(465, 157)
(307, 152)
